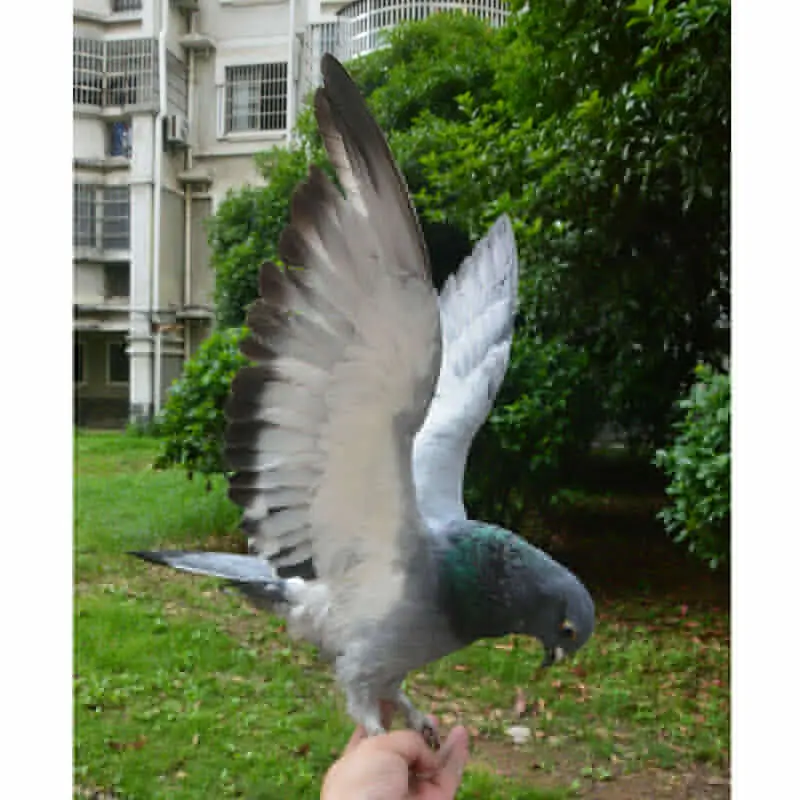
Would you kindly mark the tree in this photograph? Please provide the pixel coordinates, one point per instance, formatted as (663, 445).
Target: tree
(610, 145)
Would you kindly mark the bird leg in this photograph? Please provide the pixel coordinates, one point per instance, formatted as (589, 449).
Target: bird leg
(417, 721)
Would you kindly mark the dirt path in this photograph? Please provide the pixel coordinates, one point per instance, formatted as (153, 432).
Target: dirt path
(696, 782)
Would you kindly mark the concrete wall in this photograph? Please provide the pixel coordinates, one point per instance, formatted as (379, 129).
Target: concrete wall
(202, 274)
(89, 284)
(172, 237)
(88, 138)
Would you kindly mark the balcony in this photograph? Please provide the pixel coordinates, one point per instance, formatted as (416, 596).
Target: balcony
(116, 74)
(360, 25)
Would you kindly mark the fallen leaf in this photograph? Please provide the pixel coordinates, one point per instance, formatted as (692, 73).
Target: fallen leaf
(504, 647)
(461, 668)
(579, 671)
(302, 750)
(137, 744)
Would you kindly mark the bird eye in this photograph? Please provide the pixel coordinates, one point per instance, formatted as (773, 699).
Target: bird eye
(568, 629)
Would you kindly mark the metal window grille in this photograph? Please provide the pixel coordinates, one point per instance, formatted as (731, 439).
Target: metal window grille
(101, 216)
(321, 38)
(87, 71)
(116, 218)
(126, 5)
(255, 97)
(84, 215)
(131, 72)
(122, 72)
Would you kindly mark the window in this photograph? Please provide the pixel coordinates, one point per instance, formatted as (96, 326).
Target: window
(78, 363)
(84, 215)
(255, 97)
(121, 72)
(116, 218)
(118, 139)
(87, 71)
(101, 216)
(117, 367)
(126, 5)
(117, 279)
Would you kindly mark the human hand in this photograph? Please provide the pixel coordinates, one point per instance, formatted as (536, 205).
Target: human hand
(396, 766)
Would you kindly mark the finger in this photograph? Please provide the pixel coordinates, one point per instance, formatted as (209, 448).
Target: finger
(411, 747)
(358, 736)
(452, 759)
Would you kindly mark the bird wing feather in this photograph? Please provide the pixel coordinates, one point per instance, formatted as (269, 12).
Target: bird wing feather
(346, 347)
(477, 306)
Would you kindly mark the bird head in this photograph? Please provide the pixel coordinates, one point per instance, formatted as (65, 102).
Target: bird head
(564, 621)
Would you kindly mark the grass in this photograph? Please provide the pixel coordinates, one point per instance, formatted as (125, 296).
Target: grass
(182, 691)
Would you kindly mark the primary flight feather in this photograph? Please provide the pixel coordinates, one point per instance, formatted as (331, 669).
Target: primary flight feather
(348, 436)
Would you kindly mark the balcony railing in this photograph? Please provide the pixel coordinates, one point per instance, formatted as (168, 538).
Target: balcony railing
(366, 19)
(126, 5)
(121, 72)
(360, 27)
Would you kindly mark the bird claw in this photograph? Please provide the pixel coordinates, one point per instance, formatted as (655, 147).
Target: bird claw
(430, 735)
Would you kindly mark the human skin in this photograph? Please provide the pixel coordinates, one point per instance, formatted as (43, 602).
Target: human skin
(396, 766)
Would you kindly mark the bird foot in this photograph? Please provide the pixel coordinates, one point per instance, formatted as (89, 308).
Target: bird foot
(430, 734)
(418, 722)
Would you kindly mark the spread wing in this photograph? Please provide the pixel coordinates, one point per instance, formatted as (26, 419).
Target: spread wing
(477, 306)
(346, 350)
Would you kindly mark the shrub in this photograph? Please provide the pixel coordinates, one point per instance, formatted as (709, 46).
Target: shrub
(697, 464)
(544, 417)
(245, 231)
(193, 420)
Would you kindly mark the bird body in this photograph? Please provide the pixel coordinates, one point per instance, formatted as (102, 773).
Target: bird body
(348, 435)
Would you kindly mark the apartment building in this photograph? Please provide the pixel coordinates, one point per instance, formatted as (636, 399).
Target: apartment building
(171, 99)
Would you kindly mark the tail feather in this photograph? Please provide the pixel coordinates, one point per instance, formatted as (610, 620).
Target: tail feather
(231, 566)
(250, 575)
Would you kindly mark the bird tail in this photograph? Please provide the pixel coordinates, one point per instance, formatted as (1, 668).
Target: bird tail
(250, 575)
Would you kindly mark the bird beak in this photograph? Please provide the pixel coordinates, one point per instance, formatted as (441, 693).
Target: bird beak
(552, 655)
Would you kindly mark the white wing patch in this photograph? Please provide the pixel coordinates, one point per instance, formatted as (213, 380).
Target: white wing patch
(477, 306)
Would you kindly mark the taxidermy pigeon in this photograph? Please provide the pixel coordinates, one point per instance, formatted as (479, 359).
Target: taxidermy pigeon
(349, 434)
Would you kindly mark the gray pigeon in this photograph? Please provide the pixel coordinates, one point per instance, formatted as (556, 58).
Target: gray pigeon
(349, 436)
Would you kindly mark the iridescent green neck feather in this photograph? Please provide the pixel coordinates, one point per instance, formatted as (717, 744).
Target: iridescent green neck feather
(480, 567)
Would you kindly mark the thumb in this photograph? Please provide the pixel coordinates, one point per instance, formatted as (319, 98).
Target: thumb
(453, 758)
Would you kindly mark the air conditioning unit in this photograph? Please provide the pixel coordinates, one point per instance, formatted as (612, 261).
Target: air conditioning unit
(177, 129)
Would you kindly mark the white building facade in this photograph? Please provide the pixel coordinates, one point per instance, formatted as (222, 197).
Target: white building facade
(171, 99)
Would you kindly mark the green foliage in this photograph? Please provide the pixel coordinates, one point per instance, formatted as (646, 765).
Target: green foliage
(543, 418)
(245, 232)
(698, 464)
(610, 145)
(193, 419)
(602, 128)
(179, 706)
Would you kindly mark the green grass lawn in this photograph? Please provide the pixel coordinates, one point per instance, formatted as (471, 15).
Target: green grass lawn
(182, 691)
